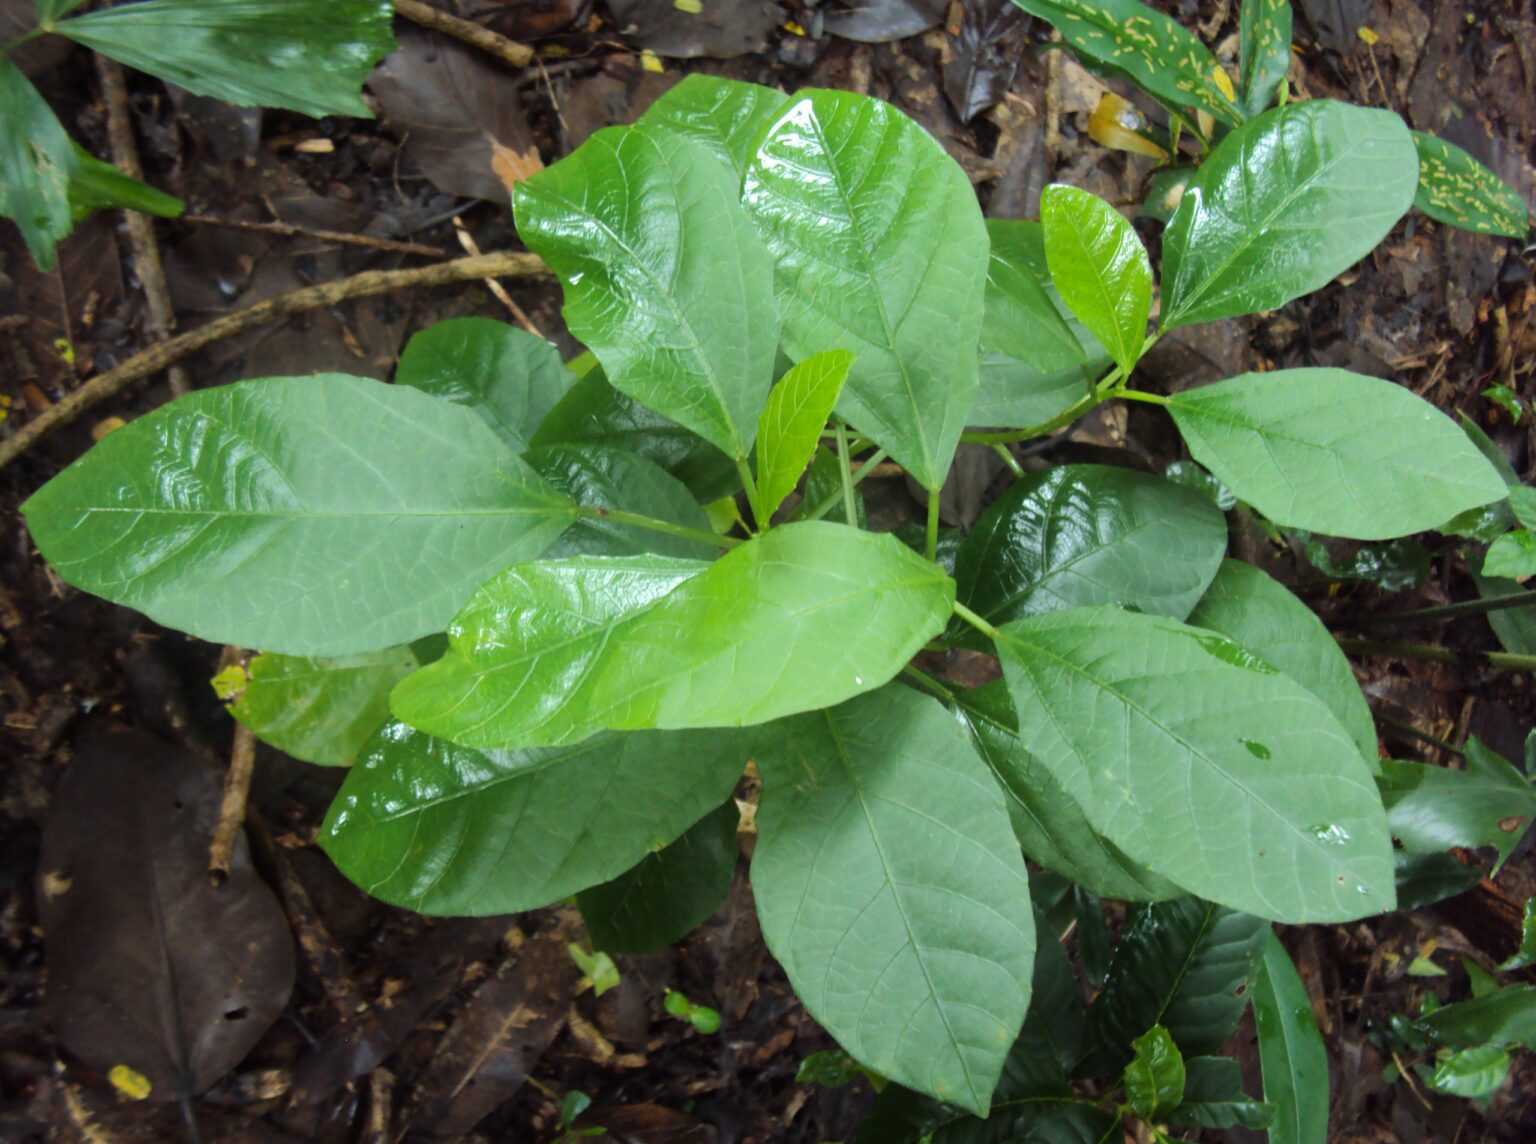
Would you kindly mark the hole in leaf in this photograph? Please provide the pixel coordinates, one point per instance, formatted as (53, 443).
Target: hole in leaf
(237, 1014)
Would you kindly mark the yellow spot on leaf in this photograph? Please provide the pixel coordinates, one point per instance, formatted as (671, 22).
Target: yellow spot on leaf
(132, 1084)
(1224, 83)
(230, 682)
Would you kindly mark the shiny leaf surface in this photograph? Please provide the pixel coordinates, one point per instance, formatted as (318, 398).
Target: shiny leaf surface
(442, 829)
(1101, 269)
(510, 377)
(1285, 204)
(1154, 1078)
(792, 423)
(1214, 1097)
(95, 185)
(1291, 1050)
(686, 328)
(305, 55)
(1456, 189)
(1264, 39)
(1505, 1017)
(1201, 762)
(1334, 452)
(725, 115)
(323, 515)
(1471, 1073)
(37, 161)
(890, 888)
(879, 248)
(1433, 809)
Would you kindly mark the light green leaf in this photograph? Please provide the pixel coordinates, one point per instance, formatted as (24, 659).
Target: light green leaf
(1051, 828)
(1214, 1097)
(803, 616)
(1151, 49)
(324, 515)
(305, 55)
(1132, 713)
(321, 710)
(667, 893)
(441, 829)
(890, 888)
(1507, 1017)
(1456, 189)
(1078, 535)
(1253, 610)
(879, 248)
(686, 328)
(1334, 452)
(1264, 44)
(724, 115)
(1154, 1079)
(1101, 269)
(1471, 1073)
(1033, 366)
(37, 162)
(792, 424)
(510, 377)
(1285, 204)
(1512, 555)
(1291, 1051)
(1515, 627)
(94, 185)
(1432, 809)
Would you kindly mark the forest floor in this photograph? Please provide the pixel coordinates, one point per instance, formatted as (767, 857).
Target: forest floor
(383, 995)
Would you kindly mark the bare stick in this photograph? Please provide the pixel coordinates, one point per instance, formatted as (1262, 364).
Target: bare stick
(470, 32)
(237, 786)
(336, 236)
(504, 264)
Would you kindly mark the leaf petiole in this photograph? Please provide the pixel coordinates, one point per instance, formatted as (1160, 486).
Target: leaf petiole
(638, 521)
(867, 467)
(975, 621)
(931, 540)
(744, 470)
(927, 682)
(845, 466)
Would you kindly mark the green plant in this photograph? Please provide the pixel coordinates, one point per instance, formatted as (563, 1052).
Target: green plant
(1173, 728)
(305, 55)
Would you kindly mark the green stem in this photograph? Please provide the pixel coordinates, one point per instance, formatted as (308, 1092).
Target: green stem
(1423, 736)
(744, 470)
(1007, 458)
(975, 621)
(1445, 611)
(1142, 395)
(619, 516)
(926, 681)
(845, 467)
(1102, 391)
(931, 541)
(1434, 653)
(830, 502)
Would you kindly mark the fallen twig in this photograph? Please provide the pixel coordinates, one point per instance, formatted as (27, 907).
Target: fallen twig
(1434, 653)
(470, 32)
(505, 264)
(237, 787)
(336, 236)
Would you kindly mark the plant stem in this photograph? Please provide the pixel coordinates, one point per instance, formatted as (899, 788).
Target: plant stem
(1141, 395)
(1445, 611)
(927, 682)
(619, 516)
(744, 470)
(510, 51)
(975, 621)
(1103, 390)
(1007, 458)
(830, 502)
(1424, 737)
(845, 466)
(1434, 653)
(931, 541)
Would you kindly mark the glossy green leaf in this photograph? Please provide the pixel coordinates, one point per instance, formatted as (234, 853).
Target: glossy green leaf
(1334, 452)
(1183, 964)
(442, 829)
(1432, 809)
(510, 377)
(1291, 1051)
(304, 55)
(1512, 555)
(879, 248)
(1214, 1097)
(1101, 269)
(1526, 954)
(592, 412)
(1197, 478)
(1050, 826)
(1033, 366)
(1155, 51)
(596, 476)
(1424, 879)
(724, 115)
(1256, 612)
(1264, 45)
(1507, 1017)
(890, 888)
(686, 328)
(1284, 205)
(1202, 763)
(1471, 1073)
(1393, 565)
(324, 515)
(667, 893)
(321, 710)
(1078, 535)
(37, 161)
(94, 185)
(803, 616)
(1154, 1078)
(792, 423)
(1456, 189)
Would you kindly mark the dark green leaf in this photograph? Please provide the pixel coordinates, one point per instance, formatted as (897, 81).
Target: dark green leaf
(1526, 954)
(1456, 189)
(37, 162)
(1424, 879)
(1471, 1073)
(1291, 1051)
(1432, 809)
(1393, 565)
(1507, 1017)
(1214, 1097)
(1131, 712)
(891, 890)
(825, 479)
(880, 249)
(1334, 452)
(1515, 627)
(725, 115)
(1165, 191)
(1101, 269)
(1154, 1077)
(594, 413)
(510, 377)
(688, 329)
(305, 55)
(321, 710)
(324, 515)
(442, 829)
(1036, 1120)
(1264, 41)
(1512, 555)
(1284, 205)
(1050, 827)
(1196, 477)
(1153, 50)
(1253, 610)
(831, 1068)
(792, 423)
(1079, 535)
(667, 893)
(94, 185)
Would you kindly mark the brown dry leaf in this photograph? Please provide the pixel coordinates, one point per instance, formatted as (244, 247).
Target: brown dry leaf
(512, 167)
(722, 29)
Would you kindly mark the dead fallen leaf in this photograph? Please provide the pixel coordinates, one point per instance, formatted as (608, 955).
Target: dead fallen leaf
(983, 56)
(882, 21)
(721, 29)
